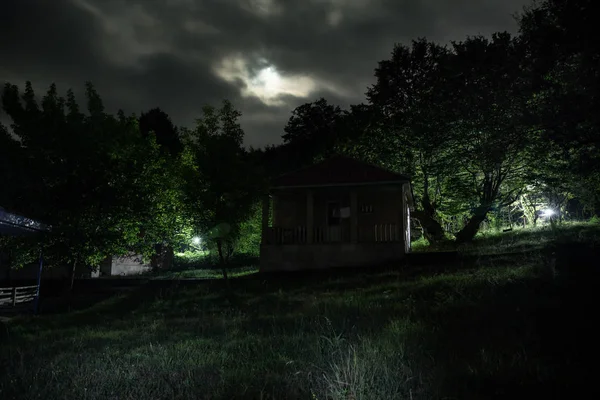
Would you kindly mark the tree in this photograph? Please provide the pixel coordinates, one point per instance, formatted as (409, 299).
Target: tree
(222, 183)
(311, 132)
(158, 123)
(91, 176)
(563, 55)
(411, 99)
(11, 169)
(491, 134)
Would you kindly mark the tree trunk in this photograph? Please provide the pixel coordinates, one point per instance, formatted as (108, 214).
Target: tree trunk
(432, 230)
(222, 260)
(467, 233)
(71, 284)
(72, 276)
(163, 259)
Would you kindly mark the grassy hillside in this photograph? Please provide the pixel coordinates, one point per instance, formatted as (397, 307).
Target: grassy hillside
(515, 320)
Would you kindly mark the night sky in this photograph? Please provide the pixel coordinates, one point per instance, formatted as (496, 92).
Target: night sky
(266, 56)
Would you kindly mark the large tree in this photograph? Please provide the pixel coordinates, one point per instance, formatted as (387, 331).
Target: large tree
(492, 133)
(222, 182)
(411, 100)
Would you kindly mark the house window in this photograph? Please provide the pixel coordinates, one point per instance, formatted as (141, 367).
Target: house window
(366, 208)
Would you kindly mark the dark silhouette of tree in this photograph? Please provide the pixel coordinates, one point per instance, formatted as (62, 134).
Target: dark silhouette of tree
(312, 132)
(159, 123)
(563, 55)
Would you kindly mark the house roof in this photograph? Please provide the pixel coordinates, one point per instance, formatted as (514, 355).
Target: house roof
(338, 171)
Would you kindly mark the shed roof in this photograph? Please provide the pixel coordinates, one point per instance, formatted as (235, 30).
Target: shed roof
(338, 171)
(17, 225)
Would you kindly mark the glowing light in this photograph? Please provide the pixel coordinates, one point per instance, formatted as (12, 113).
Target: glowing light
(270, 81)
(196, 240)
(547, 212)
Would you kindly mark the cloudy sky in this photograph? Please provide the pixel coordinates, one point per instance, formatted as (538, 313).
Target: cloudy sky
(266, 56)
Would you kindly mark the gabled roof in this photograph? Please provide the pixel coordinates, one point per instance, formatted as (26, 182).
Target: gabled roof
(338, 171)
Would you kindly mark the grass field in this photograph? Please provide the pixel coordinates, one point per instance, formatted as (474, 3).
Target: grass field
(207, 273)
(515, 321)
(199, 265)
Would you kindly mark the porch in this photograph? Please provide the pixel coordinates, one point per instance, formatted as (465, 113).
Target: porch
(312, 228)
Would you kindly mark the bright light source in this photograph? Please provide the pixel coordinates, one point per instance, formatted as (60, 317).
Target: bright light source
(196, 240)
(270, 80)
(547, 213)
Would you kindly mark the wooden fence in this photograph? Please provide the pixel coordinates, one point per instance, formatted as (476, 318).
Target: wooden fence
(14, 297)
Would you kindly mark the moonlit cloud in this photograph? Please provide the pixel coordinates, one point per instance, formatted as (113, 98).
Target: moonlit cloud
(266, 83)
(266, 56)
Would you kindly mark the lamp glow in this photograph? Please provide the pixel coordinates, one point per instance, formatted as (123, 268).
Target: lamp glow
(547, 212)
(196, 240)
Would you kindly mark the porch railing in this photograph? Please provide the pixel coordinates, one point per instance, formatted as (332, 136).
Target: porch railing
(331, 234)
(386, 233)
(380, 233)
(295, 235)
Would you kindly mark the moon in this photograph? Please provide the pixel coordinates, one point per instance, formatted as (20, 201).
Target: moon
(266, 82)
(270, 80)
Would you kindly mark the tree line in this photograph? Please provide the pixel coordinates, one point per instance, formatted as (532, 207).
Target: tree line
(483, 126)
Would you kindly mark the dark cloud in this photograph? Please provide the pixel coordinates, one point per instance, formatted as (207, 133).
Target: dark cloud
(173, 53)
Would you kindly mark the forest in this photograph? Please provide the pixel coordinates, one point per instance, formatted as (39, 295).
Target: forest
(495, 132)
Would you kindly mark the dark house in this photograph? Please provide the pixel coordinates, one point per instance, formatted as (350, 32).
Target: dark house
(339, 212)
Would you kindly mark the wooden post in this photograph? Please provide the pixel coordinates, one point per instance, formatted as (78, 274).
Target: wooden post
(14, 296)
(310, 217)
(39, 281)
(275, 200)
(353, 216)
(265, 220)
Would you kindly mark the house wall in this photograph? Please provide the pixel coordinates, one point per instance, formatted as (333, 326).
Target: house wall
(319, 256)
(289, 209)
(387, 206)
(132, 264)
